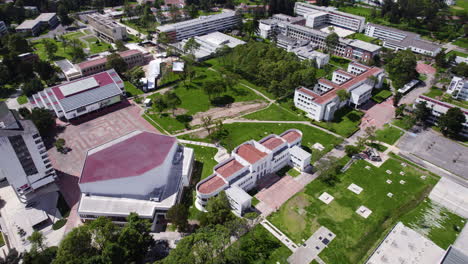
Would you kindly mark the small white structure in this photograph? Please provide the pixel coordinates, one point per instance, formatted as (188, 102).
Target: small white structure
(367, 167)
(390, 195)
(402, 173)
(178, 66)
(318, 146)
(404, 245)
(402, 182)
(363, 211)
(326, 198)
(355, 188)
(389, 181)
(69, 70)
(408, 86)
(153, 73)
(458, 88)
(388, 171)
(423, 177)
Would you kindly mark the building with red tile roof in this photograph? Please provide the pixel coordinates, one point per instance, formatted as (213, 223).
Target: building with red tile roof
(250, 162)
(143, 169)
(132, 57)
(322, 101)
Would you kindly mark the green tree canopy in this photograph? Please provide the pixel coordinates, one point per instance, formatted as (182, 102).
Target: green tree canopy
(451, 123)
(331, 41)
(219, 211)
(421, 112)
(178, 215)
(402, 68)
(114, 61)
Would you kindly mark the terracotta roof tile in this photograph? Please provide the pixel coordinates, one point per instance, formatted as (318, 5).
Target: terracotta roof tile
(291, 136)
(250, 153)
(211, 185)
(272, 143)
(229, 168)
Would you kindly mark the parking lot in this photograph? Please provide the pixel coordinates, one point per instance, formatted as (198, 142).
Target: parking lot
(86, 133)
(438, 150)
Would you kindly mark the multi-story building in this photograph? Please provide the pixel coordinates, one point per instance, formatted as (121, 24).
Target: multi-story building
(249, 163)
(438, 108)
(200, 26)
(317, 16)
(131, 57)
(35, 26)
(3, 28)
(24, 161)
(106, 28)
(322, 101)
(303, 49)
(402, 40)
(458, 88)
(140, 172)
(293, 27)
(79, 97)
(209, 44)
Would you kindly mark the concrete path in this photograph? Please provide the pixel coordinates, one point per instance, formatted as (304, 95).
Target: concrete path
(279, 235)
(199, 143)
(311, 248)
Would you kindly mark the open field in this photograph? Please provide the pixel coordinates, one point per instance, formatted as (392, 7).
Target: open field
(463, 42)
(346, 121)
(275, 112)
(435, 222)
(241, 132)
(381, 95)
(388, 135)
(302, 215)
(131, 89)
(204, 156)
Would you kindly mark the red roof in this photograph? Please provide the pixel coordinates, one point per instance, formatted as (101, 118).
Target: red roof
(103, 78)
(291, 136)
(92, 63)
(129, 158)
(272, 143)
(229, 168)
(127, 53)
(250, 153)
(211, 185)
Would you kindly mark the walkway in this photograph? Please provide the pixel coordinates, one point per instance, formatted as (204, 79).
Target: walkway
(279, 235)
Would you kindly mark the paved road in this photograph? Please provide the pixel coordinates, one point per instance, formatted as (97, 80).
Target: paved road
(410, 97)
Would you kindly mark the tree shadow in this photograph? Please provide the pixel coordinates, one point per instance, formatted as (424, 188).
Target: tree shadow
(222, 101)
(239, 92)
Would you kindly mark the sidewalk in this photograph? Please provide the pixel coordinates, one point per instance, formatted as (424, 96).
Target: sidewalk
(279, 235)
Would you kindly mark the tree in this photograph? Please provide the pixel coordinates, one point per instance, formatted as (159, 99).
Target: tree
(331, 41)
(400, 111)
(135, 238)
(159, 104)
(421, 112)
(77, 54)
(451, 123)
(163, 38)
(45, 70)
(178, 215)
(207, 121)
(59, 144)
(134, 75)
(50, 48)
(219, 211)
(32, 87)
(17, 44)
(172, 101)
(214, 88)
(43, 119)
(120, 45)
(440, 59)
(343, 95)
(461, 69)
(37, 241)
(328, 170)
(396, 98)
(351, 150)
(114, 61)
(191, 46)
(62, 12)
(371, 133)
(402, 68)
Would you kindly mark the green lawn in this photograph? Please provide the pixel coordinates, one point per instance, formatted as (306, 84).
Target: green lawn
(363, 37)
(99, 47)
(405, 122)
(434, 93)
(293, 172)
(204, 156)
(378, 147)
(345, 123)
(131, 89)
(303, 214)
(340, 62)
(381, 95)
(260, 246)
(91, 39)
(275, 113)
(255, 201)
(2, 242)
(22, 99)
(356, 10)
(435, 222)
(62, 53)
(463, 42)
(389, 134)
(457, 53)
(242, 132)
(74, 35)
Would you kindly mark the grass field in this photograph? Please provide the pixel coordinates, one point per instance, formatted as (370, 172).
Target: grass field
(275, 113)
(388, 135)
(405, 122)
(22, 99)
(303, 214)
(131, 89)
(98, 47)
(435, 222)
(241, 132)
(345, 122)
(340, 62)
(381, 95)
(204, 156)
(363, 37)
(62, 53)
(457, 53)
(463, 42)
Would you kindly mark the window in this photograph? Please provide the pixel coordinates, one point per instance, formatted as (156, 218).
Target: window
(81, 109)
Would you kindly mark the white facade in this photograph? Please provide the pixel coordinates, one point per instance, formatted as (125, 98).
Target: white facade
(321, 102)
(107, 28)
(458, 88)
(250, 162)
(201, 26)
(318, 16)
(401, 40)
(24, 161)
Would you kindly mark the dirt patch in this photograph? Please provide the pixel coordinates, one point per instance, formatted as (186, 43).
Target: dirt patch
(234, 110)
(457, 7)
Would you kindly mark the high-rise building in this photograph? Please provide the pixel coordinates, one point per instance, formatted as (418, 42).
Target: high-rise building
(106, 28)
(24, 161)
(458, 88)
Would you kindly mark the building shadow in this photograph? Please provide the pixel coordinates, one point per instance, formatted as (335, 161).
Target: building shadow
(100, 112)
(68, 185)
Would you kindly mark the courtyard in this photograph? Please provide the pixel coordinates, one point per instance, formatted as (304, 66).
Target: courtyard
(356, 235)
(86, 133)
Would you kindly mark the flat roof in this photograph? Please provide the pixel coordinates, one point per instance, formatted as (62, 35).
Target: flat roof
(229, 168)
(211, 185)
(28, 24)
(238, 194)
(299, 152)
(191, 22)
(250, 153)
(128, 156)
(272, 142)
(291, 136)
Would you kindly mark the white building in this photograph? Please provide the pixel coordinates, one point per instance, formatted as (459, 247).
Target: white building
(106, 28)
(200, 26)
(250, 162)
(458, 88)
(317, 16)
(402, 40)
(210, 43)
(35, 26)
(321, 102)
(70, 71)
(140, 172)
(438, 108)
(24, 161)
(303, 49)
(404, 245)
(79, 97)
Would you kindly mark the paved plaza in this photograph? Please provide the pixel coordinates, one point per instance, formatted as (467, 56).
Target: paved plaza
(377, 114)
(312, 247)
(279, 192)
(87, 133)
(438, 150)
